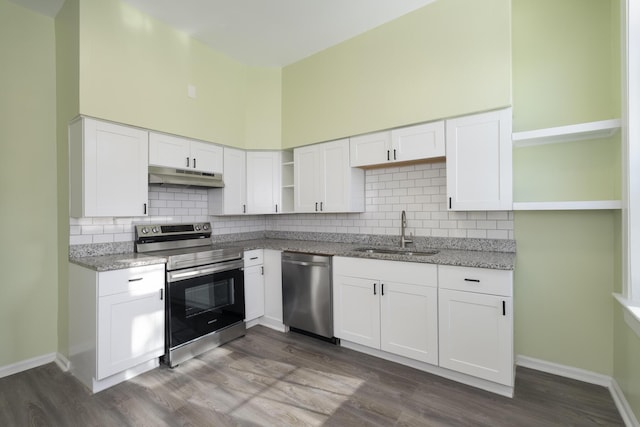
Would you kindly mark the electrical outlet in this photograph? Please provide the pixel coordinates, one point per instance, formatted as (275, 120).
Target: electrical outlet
(191, 91)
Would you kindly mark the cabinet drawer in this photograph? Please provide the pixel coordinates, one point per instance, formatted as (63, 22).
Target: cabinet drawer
(136, 280)
(479, 280)
(253, 257)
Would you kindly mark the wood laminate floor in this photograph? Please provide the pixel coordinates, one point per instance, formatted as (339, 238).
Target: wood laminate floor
(272, 379)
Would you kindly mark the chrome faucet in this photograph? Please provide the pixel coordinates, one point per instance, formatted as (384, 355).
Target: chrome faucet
(403, 226)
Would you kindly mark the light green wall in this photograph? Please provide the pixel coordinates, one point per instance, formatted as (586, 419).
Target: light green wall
(135, 70)
(563, 284)
(28, 220)
(562, 63)
(580, 170)
(449, 58)
(566, 71)
(68, 97)
(264, 108)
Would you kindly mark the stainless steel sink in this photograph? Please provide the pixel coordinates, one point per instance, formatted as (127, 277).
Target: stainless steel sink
(387, 251)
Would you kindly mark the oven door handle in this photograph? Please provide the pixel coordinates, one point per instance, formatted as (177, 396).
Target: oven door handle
(174, 276)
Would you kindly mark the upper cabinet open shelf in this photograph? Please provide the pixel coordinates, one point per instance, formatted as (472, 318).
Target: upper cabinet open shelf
(582, 131)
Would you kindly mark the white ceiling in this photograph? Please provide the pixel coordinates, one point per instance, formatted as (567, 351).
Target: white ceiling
(270, 33)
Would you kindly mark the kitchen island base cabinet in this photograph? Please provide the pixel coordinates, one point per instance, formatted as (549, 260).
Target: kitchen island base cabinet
(116, 323)
(387, 305)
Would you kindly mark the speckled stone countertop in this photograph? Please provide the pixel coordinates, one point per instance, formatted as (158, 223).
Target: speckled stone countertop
(117, 261)
(480, 253)
(464, 258)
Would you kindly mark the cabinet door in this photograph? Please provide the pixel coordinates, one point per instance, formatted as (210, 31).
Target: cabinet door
(307, 178)
(253, 292)
(273, 287)
(235, 186)
(114, 168)
(418, 142)
(356, 310)
(169, 151)
(206, 157)
(370, 149)
(335, 186)
(479, 162)
(409, 321)
(263, 182)
(476, 335)
(130, 330)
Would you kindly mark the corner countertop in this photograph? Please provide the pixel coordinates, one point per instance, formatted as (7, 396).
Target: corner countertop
(455, 257)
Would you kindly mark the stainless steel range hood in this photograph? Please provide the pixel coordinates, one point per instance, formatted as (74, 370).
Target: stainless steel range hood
(183, 177)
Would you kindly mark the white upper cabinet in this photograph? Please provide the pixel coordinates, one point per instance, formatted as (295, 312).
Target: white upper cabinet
(418, 142)
(206, 157)
(264, 170)
(406, 144)
(370, 149)
(324, 180)
(107, 169)
(479, 168)
(182, 153)
(232, 198)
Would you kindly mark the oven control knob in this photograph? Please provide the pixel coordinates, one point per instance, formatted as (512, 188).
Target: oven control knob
(144, 230)
(154, 230)
(197, 228)
(205, 227)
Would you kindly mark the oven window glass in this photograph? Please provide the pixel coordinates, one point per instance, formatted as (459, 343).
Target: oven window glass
(207, 297)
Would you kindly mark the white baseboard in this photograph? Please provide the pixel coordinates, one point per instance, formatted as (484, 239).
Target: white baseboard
(62, 362)
(619, 399)
(623, 406)
(25, 365)
(500, 389)
(564, 371)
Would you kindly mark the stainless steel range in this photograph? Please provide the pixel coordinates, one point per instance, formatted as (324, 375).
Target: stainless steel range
(204, 288)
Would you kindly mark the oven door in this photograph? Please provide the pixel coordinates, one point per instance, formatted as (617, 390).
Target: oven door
(202, 300)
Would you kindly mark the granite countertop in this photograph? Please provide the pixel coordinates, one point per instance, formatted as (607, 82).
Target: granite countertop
(117, 261)
(445, 256)
(457, 257)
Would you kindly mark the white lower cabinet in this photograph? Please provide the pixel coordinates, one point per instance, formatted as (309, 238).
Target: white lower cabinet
(263, 288)
(273, 290)
(476, 322)
(253, 284)
(116, 323)
(387, 305)
(457, 320)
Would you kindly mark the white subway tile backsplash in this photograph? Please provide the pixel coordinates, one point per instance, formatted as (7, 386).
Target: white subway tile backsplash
(420, 190)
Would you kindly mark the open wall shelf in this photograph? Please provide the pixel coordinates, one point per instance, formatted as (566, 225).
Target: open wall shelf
(582, 131)
(567, 206)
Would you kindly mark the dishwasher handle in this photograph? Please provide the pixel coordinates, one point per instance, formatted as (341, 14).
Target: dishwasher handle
(306, 263)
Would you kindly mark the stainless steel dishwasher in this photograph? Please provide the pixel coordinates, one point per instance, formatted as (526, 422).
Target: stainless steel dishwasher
(306, 293)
